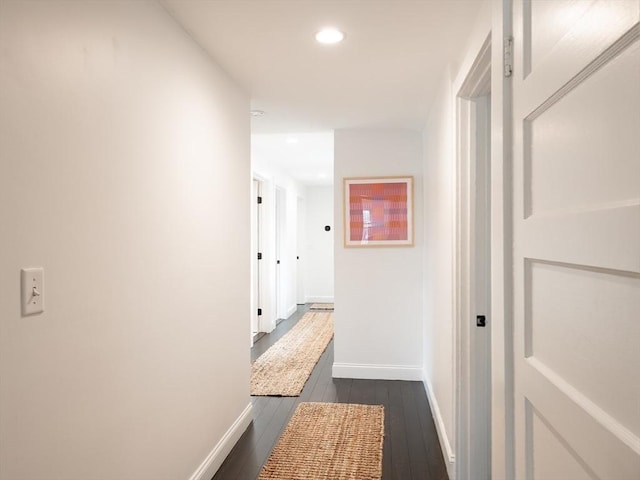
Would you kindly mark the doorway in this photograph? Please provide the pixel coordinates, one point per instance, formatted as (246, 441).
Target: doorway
(256, 254)
(281, 250)
(473, 271)
(300, 257)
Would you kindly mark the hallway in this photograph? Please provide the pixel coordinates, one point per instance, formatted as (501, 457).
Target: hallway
(411, 448)
(127, 211)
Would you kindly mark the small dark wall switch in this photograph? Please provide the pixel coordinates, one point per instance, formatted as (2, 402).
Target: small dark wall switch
(327, 228)
(481, 321)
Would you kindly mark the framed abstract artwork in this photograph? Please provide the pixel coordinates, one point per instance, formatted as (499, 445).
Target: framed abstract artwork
(378, 212)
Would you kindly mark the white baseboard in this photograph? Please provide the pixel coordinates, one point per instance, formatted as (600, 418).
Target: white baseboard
(312, 299)
(211, 464)
(445, 444)
(376, 372)
(292, 309)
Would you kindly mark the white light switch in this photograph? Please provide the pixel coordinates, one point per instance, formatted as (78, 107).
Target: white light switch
(32, 280)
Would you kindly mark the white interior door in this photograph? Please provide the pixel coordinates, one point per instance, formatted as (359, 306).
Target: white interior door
(255, 263)
(300, 256)
(280, 250)
(576, 171)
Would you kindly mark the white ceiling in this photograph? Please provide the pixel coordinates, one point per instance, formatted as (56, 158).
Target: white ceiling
(307, 157)
(382, 76)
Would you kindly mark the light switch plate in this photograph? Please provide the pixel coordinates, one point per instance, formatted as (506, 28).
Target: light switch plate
(32, 280)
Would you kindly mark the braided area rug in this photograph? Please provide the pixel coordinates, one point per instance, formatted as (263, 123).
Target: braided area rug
(329, 441)
(285, 367)
(321, 306)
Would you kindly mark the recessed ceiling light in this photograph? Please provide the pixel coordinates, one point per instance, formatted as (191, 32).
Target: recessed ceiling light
(329, 36)
(257, 113)
(292, 140)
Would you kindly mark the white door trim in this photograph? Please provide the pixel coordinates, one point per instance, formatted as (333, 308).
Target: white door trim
(476, 84)
(502, 370)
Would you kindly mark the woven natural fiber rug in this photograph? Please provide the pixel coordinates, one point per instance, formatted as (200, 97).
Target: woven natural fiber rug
(285, 367)
(329, 441)
(321, 306)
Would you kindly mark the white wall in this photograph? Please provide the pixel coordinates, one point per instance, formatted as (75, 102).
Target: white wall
(378, 291)
(273, 178)
(318, 251)
(439, 163)
(124, 156)
(439, 168)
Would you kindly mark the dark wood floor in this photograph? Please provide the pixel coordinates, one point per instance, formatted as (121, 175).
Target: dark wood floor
(411, 447)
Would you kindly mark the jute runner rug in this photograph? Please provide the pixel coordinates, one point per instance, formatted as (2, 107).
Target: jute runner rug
(329, 441)
(321, 306)
(285, 367)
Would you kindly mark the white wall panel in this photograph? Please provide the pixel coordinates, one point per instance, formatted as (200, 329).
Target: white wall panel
(124, 157)
(378, 291)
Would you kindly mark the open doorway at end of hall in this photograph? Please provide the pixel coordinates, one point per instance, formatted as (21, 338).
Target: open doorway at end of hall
(317, 253)
(292, 250)
(274, 253)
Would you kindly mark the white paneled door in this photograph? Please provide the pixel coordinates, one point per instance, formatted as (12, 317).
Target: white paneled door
(576, 99)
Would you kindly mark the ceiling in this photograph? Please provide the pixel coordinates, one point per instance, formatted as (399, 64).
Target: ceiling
(382, 75)
(307, 157)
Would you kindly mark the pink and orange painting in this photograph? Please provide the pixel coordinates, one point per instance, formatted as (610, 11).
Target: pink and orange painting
(378, 211)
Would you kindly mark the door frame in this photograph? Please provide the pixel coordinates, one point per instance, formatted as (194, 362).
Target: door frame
(280, 248)
(267, 320)
(502, 356)
(256, 244)
(502, 342)
(502, 359)
(473, 380)
(300, 250)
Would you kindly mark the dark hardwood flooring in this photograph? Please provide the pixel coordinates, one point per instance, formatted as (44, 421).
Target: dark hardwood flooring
(411, 446)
